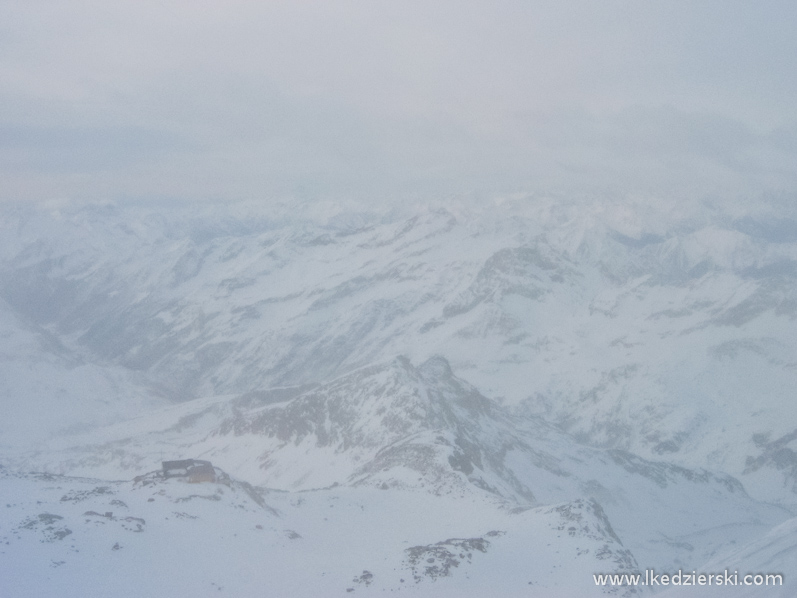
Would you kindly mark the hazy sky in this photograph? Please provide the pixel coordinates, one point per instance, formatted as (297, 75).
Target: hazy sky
(371, 99)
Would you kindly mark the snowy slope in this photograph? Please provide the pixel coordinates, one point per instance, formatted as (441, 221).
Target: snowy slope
(773, 554)
(166, 537)
(48, 389)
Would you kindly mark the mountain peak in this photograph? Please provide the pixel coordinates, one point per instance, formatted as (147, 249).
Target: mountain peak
(436, 367)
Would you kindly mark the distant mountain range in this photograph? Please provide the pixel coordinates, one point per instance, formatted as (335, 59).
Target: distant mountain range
(527, 367)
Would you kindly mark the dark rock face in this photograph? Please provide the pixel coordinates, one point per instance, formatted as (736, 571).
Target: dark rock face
(438, 560)
(779, 454)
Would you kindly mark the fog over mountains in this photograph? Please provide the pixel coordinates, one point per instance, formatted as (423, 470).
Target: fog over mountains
(493, 399)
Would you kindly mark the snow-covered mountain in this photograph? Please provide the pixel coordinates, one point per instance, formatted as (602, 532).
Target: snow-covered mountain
(514, 359)
(394, 426)
(167, 537)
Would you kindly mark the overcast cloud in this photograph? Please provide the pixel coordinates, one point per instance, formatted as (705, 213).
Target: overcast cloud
(252, 99)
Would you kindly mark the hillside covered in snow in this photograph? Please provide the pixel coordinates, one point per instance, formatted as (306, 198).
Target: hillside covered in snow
(435, 400)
